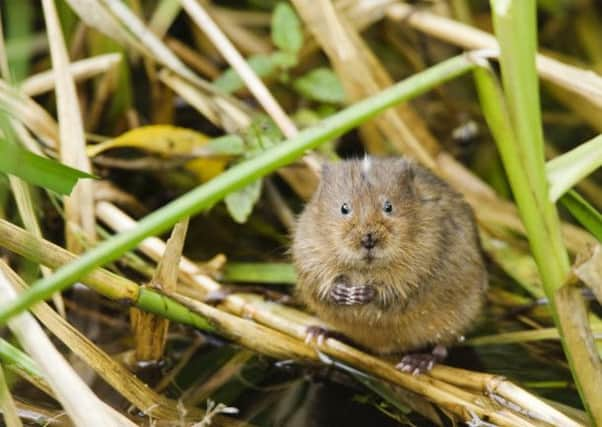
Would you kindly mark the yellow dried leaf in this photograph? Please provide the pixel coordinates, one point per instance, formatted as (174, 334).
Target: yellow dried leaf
(166, 140)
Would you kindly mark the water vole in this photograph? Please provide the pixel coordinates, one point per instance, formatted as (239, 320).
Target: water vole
(388, 254)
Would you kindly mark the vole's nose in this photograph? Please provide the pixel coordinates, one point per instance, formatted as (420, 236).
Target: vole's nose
(368, 241)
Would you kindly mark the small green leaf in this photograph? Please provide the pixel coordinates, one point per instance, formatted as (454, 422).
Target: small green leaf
(38, 170)
(583, 212)
(230, 81)
(240, 203)
(286, 29)
(261, 135)
(321, 84)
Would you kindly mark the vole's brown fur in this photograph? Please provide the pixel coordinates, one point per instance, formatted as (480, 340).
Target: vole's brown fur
(426, 266)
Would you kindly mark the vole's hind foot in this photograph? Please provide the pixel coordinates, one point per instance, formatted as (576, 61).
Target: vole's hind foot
(417, 363)
(420, 363)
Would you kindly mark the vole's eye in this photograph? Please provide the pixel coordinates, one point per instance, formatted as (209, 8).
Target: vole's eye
(345, 209)
(387, 207)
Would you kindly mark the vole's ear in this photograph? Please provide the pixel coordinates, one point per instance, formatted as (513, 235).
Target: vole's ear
(325, 171)
(407, 174)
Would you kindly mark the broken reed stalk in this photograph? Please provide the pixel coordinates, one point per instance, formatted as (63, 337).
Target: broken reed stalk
(238, 177)
(253, 335)
(150, 330)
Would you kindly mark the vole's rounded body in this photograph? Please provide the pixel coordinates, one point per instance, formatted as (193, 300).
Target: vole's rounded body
(393, 228)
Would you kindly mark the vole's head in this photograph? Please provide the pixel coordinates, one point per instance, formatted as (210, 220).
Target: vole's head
(367, 209)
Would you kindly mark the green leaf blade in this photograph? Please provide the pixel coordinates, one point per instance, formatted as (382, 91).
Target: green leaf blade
(240, 203)
(38, 170)
(286, 29)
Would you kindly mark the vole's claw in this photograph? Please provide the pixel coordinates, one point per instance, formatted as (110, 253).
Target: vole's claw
(420, 363)
(416, 363)
(316, 333)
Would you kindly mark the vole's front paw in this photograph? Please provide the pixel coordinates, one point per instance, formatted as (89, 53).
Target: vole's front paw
(344, 294)
(419, 363)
